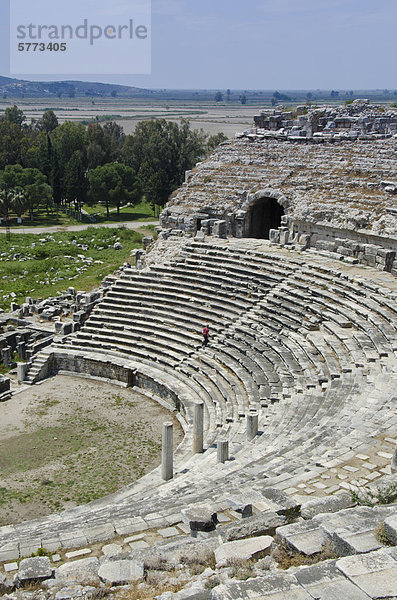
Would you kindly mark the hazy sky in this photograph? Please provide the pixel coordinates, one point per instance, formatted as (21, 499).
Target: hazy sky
(261, 44)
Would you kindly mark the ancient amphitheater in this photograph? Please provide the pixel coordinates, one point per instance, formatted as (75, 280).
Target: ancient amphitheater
(284, 242)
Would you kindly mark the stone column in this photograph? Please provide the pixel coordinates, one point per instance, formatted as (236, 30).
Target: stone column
(198, 428)
(252, 425)
(394, 462)
(21, 348)
(6, 355)
(21, 371)
(222, 451)
(167, 452)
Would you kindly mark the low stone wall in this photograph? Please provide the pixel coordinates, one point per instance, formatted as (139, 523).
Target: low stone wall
(155, 387)
(112, 369)
(108, 369)
(370, 250)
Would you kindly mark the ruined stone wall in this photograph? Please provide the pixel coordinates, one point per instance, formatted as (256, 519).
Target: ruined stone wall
(339, 189)
(339, 184)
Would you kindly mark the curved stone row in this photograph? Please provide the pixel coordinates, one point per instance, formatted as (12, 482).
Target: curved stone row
(308, 346)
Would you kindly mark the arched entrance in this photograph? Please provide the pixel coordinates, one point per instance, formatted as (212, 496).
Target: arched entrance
(265, 214)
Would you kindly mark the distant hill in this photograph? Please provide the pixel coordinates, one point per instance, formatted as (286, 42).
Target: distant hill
(19, 88)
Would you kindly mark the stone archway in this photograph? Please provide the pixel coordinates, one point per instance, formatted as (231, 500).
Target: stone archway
(263, 211)
(264, 215)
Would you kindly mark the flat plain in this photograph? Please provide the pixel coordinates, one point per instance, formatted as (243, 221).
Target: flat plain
(71, 440)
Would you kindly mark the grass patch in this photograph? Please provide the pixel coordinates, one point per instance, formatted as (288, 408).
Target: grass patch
(42, 265)
(42, 218)
(139, 212)
(83, 457)
(287, 558)
(386, 494)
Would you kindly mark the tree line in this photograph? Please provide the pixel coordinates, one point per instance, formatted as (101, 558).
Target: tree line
(69, 164)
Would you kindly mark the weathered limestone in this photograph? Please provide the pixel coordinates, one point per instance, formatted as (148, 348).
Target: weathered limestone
(167, 452)
(200, 518)
(6, 354)
(222, 451)
(305, 537)
(21, 371)
(120, 572)
(329, 504)
(262, 524)
(243, 549)
(21, 349)
(374, 573)
(32, 570)
(198, 428)
(252, 425)
(394, 461)
(390, 527)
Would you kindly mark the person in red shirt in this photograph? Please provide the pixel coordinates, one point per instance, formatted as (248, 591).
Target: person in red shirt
(206, 332)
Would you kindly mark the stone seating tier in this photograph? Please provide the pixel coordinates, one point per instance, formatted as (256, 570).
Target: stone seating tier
(322, 389)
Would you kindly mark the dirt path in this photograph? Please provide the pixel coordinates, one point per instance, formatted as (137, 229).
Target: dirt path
(71, 440)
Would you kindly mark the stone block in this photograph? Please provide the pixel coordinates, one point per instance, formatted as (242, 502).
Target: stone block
(279, 502)
(84, 570)
(100, 533)
(374, 573)
(351, 530)
(262, 524)
(32, 570)
(200, 518)
(112, 549)
(121, 572)
(284, 236)
(329, 504)
(219, 229)
(276, 586)
(21, 371)
(274, 236)
(9, 551)
(66, 328)
(304, 536)
(240, 504)
(390, 525)
(326, 582)
(243, 549)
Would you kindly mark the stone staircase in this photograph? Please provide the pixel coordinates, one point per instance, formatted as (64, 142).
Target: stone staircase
(300, 340)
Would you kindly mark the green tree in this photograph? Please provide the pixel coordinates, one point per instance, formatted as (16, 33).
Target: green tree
(36, 189)
(29, 182)
(215, 140)
(75, 181)
(48, 121)
(67, 139)
(13, 114)
(13, 143)
(160, 152)
(218, 97)
(113, 184)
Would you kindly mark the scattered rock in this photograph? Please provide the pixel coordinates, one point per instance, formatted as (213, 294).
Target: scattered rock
(243, 549)
(32, 570)
(120, 572)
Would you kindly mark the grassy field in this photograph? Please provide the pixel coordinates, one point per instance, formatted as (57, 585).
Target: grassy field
(43, 218)
(41, 266)
(71, 441)
(140, 212)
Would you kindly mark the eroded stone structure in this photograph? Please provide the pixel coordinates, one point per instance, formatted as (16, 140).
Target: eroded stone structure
(335, 194)
(289, 413)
